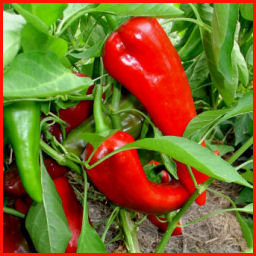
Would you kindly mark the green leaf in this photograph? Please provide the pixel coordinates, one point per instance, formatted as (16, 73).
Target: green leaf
(74, 11)
(248, 175)
(33, 39)
(241, 64)
(246, 10)
(190, 153)
(92, 52)
(139, 9)
(249, 56)
(246, 228)
(245, 196)
(41, 75)
(12, 27)
(197, 73)
(248, 208)
(199, 125)
(225, 16)
(46, 221)
(40, 15)
(223, 149)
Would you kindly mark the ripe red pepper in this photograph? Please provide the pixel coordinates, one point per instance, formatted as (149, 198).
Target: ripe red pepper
(140, 56)
(12, 182)
(72, 209)
(13, 239)
(121, 178)
(73, 116)
(22, 204)
(152, 218)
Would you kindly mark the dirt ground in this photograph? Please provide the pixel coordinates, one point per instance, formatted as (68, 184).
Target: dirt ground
(218, 234)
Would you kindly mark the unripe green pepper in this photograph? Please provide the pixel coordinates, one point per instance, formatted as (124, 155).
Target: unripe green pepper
(131, 123)
(22, 124)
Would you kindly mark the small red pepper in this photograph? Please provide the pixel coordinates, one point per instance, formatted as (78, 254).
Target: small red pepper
(14, 240)
(140, 56)
(22, 204)
(72, 209)
(121, 178)
(152, 218)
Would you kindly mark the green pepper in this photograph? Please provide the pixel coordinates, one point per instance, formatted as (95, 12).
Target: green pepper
(131, 123)
(22, 124)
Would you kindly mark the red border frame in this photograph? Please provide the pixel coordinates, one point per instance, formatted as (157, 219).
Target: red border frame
(1, 113)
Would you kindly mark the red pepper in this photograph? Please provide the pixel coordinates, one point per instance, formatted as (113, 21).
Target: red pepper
(121, 178)
(73, 116)
(13, 239)
(152, 218)
(12, 182)
(72, 209)
(22, 204)
(140, 56)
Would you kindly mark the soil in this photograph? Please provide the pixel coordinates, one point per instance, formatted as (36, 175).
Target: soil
(218, 234)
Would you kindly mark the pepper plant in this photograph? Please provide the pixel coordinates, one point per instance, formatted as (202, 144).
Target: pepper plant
(140, 106)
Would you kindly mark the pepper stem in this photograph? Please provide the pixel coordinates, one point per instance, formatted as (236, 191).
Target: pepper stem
(115, 105)
(97, 110)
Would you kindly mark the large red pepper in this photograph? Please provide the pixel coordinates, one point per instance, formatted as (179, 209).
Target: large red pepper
(121, 178)
(165, 178)
(73, 116)
(141, 57)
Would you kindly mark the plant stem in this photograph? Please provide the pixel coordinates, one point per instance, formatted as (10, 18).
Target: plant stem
(131, 239)
(13, 212)
(115, 105)
(109, 222)
(240, 151)
(173, 224)
(97, 111)
(59, 158)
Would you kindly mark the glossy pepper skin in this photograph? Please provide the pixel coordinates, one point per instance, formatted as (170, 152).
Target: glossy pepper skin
(121, 179)
(22, 124)
(73, 116)
(165, 178)
(13, 239)
(140, 56)
(72, 209)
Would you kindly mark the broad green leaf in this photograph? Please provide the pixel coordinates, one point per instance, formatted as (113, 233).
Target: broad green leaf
(139, 9)
(190, 153)
(89, 240)
(225, 16)
(248, 175)
(12, 27)
(39, 74)
(203, 122)
(40, 15)
(210, 119)
(241, 64)
(246, 10)
(46, 222)
(33, 39)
